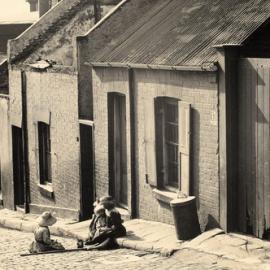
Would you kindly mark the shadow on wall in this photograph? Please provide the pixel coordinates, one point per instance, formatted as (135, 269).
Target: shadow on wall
(211, 223)
(195, 159)
(207, 221)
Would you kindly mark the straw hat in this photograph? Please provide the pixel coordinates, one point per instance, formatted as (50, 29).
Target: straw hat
(46, 219)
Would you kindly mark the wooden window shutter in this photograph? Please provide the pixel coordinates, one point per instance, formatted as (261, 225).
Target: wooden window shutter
(49, 155)
(184, 146)
(159, 136)
(149, 142)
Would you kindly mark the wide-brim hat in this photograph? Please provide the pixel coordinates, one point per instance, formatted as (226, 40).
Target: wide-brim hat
(46, 219)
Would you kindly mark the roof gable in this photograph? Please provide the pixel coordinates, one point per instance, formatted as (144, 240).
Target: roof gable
(177, 32)
(53, 36)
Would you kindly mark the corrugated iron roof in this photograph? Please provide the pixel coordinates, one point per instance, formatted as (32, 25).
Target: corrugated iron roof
(183, 32)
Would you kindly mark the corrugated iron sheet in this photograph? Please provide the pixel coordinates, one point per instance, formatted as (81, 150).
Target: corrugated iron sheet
(183, 32)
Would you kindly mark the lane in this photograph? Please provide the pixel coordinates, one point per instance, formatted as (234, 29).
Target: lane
(13, 243)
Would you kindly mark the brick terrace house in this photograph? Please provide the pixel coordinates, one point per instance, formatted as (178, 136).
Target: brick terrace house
(44, 169)
(178, 94)
(181, 106)
(8, 30)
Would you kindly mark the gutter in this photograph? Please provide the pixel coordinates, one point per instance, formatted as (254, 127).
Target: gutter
(209, 67)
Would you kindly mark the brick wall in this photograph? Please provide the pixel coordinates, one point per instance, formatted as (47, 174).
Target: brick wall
(106, 81)
(200, 90)
(58, 94)
(6, 173)
(197, 88)
(15, 97)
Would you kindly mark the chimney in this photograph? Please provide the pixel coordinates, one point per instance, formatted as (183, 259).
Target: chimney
(43, 6)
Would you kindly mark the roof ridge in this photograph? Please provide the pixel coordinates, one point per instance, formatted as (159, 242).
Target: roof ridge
(30, 38)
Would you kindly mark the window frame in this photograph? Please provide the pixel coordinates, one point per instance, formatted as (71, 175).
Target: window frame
(44, 153)
(160, 105)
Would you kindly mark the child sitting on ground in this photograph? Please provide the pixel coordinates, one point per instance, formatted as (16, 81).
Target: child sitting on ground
(98, 224)
(43, 241)
(114, 221)
(106, 225)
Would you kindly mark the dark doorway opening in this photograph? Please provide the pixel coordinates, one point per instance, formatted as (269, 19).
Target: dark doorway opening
(87, 171)
(18, 170)
(117, 148)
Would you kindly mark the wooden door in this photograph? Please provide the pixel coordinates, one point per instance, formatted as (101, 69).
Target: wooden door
(254, 146)
(18, 169)
(117, 148)
(87, 171)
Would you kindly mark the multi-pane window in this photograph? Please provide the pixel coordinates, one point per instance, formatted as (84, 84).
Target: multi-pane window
(44, 144)
(171, 142)
(167, 142)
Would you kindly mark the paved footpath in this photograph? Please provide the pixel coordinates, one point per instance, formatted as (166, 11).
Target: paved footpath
(13, 242)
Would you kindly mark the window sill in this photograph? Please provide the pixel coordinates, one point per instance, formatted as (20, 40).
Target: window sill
(164, 195)
(46, 190)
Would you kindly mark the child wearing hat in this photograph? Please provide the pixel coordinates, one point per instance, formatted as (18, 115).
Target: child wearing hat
(115, 221)
(99, 230)
(98, 223)
(43, 241)
(106, 225)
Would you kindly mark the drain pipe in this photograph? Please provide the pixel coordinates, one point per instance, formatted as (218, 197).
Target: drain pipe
(25, 143)
(133, 144)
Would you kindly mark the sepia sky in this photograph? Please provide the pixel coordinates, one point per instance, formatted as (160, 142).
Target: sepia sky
(16, 10)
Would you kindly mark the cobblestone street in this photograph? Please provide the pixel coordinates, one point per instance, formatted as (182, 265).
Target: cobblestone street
(13, 243)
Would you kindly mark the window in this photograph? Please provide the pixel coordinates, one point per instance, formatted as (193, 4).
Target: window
(172, 120)
(44, 144)
(167, 142)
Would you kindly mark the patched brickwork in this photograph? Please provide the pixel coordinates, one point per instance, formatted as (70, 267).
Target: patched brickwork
(197, 88)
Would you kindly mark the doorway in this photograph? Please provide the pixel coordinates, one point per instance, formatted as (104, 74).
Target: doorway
(18, 169)
(118, 187)
(87, 170)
